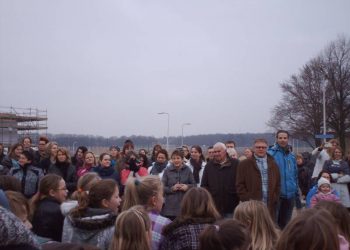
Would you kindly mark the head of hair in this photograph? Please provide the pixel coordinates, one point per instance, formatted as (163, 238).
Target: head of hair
(334, 141)
(333, 151)
(89, 152)
(84, 184)
(44, 138)
(49, 147)
(228, 234)
(262, 140)
(255, 215)
(13, 148)
(19, 205)
(127, 145)
(83, 150)
(327, 172)
(164, 152)
(47, 183)
(220, 145)
(132, 230)
(28, 155)
(140, 191)
(200, 151)
(230, 142)
(340, 215)
(10, 183)
(282, 131)
(103, 155)
(145, 160)
(99, 191)
(299, 156)
(198, 203)
(26, 137)
(312, 229)
(177, 152)
(65, 152)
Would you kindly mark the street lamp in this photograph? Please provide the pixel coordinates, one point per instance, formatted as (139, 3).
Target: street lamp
(182, 134)
(324, 108)
(167, 137)
(74, 143)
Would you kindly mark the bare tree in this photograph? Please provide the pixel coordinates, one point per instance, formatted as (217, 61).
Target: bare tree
(300, 110)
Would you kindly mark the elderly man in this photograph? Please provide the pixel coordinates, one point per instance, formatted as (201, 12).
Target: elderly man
(258, 178)
(287, 165)
(219, 179)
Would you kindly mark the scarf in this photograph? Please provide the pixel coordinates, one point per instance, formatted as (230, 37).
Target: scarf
(197, 166)
(158, 168)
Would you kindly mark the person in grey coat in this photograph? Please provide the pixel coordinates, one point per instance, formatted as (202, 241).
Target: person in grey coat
(177, 179)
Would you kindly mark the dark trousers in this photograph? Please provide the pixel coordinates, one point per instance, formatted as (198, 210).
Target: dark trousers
(284, 211)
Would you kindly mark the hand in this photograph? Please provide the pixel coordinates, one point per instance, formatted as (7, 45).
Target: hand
(133, 165)
(184, 187)
(176, 187)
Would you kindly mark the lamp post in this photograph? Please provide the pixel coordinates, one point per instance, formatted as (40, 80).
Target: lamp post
(167, 137)
(182, 129)
(324, 108)
(74, 143)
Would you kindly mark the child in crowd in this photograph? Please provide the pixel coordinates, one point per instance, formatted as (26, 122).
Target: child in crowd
(91, 222)
(177, 180)
(19, 206)
(197, 211)
(132, 230)
(324, 192)
(228, 234)
(148, 192)
(255, 215)
(45, 205)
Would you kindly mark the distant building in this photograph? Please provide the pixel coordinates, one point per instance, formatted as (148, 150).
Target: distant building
(18, 122)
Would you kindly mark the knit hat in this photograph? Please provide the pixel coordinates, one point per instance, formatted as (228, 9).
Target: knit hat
(322, 181)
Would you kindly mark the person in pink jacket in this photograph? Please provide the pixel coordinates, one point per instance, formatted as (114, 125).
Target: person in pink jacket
(324, 192)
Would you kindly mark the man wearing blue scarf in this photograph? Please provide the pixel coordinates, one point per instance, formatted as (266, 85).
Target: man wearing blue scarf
(286, 162)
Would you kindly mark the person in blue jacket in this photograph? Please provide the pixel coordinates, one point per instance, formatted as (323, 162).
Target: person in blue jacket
(286, 162)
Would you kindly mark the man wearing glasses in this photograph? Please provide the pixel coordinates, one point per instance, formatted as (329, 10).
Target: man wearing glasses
(258, 178)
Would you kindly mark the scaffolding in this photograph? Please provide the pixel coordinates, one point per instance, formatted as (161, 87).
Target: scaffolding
(15, 123)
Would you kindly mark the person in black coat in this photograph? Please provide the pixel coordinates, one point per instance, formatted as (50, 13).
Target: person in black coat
(47, 217)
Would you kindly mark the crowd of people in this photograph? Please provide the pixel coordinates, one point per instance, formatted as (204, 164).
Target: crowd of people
(184, 199)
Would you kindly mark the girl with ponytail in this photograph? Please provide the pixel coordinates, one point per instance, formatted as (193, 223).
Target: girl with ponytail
(92, 221)
(148, 192)
(45, 206)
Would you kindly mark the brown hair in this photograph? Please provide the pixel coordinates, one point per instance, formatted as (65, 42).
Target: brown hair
(89, 152)
(340, 214)
(49, 147)
(312, 229)
(255, 215)
(139, 192)
(127, 144)
(11, 183)
(19, 205)
(47, 183)
(44, 138)
(12, 150)
(164, 152)
(84, 184)
(260, 140)
(335, 148)
(177, 153)
(225, 235)
(103, 189)
(199, 150)
(132, 230)
(65, 152)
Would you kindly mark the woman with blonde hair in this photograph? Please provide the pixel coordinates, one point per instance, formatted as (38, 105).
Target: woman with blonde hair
(255, 215)
(197, 211)
(148, 192)
(132, 230)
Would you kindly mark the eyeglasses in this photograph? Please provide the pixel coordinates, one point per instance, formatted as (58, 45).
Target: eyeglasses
(261, 147)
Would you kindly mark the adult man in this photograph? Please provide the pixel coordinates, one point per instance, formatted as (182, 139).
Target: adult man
(258, 178)
(41, 153)
(230, 144)
(286, 162)
(219, 179)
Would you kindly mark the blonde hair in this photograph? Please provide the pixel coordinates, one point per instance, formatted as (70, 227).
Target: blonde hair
(140, 191)
(256, 216)
(132, 230)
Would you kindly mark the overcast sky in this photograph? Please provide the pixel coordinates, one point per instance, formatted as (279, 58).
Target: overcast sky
(108, 67)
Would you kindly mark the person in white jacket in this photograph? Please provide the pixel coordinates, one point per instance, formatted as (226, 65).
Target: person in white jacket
(322, 154)
(197, 163)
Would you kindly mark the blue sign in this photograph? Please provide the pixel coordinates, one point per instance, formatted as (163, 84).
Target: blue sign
(322, 136)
